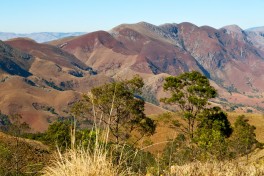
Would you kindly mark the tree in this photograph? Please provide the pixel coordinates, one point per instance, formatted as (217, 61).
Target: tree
(190, 92)
(119, 106)
(211, 134)
(58, 134)
(243, 141)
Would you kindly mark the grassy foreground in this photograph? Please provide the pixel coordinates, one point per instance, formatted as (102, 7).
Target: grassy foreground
(218, 169)
(80, 162)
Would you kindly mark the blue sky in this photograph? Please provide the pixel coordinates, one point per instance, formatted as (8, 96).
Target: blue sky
(25, 16)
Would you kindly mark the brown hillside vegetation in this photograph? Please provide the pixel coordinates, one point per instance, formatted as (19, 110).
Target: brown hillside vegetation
(21, 155)
(41, 85)
(38, 106)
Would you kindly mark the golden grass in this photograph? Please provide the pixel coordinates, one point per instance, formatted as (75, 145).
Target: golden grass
(80, 162)
(218, 169)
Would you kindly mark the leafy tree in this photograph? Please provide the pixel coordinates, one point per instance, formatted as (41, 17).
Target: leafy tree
(120, 108)
(58, 134)
(210, 140)
(243, 140)
(212, 132)
(215, 118)
(190, 92)
(86, 138)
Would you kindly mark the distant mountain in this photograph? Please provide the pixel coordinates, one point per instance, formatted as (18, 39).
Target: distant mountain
(40, 37)
(256, 29)
(256, 36)
(225, 55)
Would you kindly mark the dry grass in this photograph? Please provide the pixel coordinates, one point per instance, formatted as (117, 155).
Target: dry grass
(80, 162)
(218, 169)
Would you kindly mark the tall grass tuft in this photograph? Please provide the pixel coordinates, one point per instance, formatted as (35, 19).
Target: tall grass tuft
(81, 162)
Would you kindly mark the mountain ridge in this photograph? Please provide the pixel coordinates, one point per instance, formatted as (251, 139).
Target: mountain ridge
(39, 37)
(229, 55)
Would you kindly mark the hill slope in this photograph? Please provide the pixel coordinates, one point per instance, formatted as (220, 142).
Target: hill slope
(41, 85)
(19, 155)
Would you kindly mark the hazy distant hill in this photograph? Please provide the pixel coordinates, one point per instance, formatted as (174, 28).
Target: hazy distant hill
(39, 37)
(256, 29)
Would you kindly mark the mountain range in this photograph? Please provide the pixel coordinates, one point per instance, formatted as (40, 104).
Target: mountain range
(40, 80)
(40, 37)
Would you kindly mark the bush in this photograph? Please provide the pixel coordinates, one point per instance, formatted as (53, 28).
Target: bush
(249, 110)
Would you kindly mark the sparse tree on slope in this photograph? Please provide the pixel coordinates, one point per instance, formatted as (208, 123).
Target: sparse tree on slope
(243, 140)
(191, 92)
(211, 134)
(118, 106)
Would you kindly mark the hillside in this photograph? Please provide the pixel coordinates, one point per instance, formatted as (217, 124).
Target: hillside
(41, 85)
(20, 155)
(13, 61)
